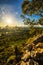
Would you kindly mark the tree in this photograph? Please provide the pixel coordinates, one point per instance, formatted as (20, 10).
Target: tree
(30, 7)
(41, 21)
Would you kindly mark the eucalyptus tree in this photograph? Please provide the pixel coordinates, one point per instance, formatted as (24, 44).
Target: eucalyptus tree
(32, 7)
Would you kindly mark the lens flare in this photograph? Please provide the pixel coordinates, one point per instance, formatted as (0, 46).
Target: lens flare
(8, 20)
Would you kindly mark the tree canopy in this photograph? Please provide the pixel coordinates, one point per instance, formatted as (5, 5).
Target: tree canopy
(30, 7)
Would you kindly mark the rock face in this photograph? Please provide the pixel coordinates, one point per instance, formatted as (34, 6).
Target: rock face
(33, 54)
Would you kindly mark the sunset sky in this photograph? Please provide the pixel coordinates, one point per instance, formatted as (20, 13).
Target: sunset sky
(10, 11)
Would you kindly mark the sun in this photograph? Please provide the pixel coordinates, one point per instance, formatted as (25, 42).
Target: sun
(8, 20)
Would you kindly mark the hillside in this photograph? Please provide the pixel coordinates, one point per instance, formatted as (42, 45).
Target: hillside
(21, 46)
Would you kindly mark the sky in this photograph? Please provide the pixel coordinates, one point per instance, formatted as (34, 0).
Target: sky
(10, 11)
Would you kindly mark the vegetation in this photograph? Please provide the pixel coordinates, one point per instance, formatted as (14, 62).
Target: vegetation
(32, 7)
(13, 41)
(24, 45)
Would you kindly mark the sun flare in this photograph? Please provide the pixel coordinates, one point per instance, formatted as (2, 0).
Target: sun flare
(8, 20)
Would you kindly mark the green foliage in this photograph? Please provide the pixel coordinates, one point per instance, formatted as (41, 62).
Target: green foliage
(32, 7)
